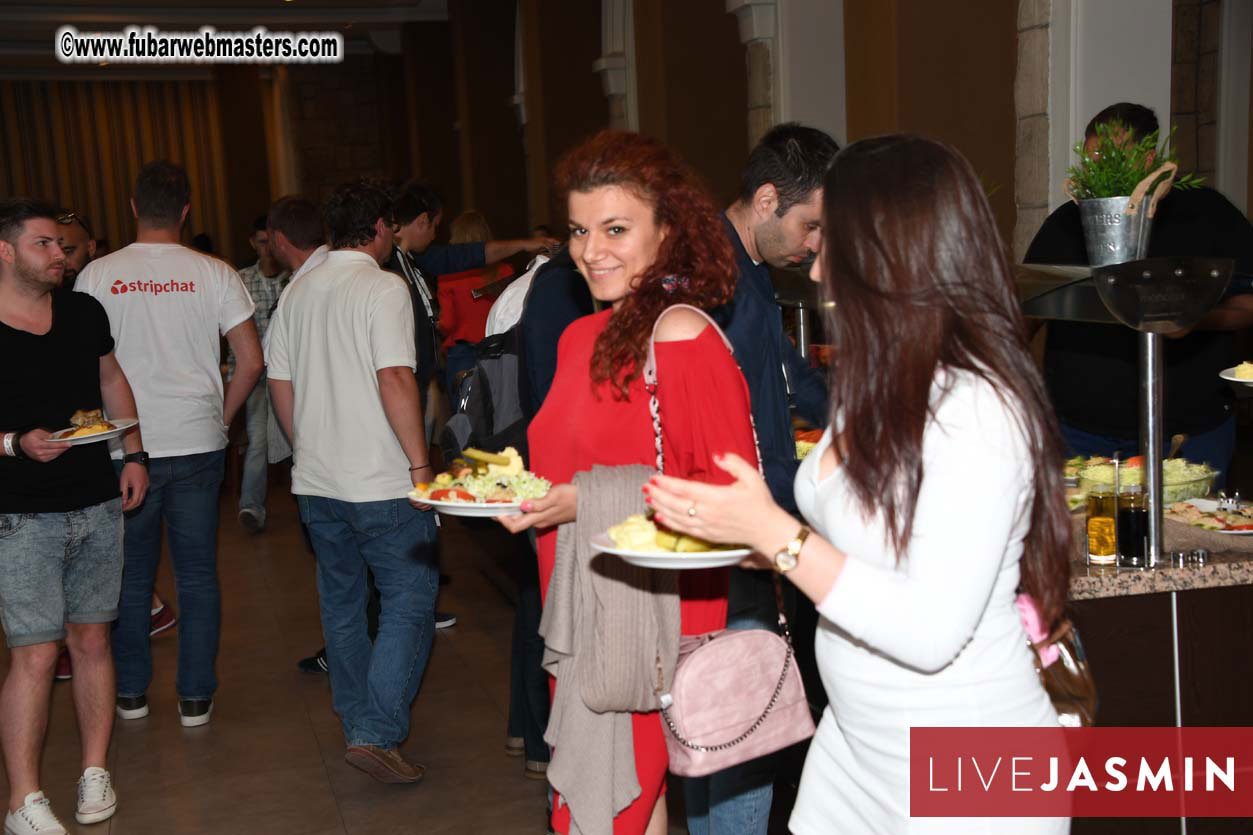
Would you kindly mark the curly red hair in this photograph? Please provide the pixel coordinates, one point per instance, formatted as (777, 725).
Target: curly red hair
(696, 251)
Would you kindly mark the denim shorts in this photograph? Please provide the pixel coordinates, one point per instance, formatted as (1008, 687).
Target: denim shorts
(59, 568)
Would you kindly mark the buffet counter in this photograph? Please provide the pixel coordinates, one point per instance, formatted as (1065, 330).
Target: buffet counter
(1223, 568)
(1169, 647)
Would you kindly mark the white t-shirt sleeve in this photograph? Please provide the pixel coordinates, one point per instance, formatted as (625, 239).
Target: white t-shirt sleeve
(391, 327)
(86, 281)
(277, 365)
(236, 303)
(976, 487)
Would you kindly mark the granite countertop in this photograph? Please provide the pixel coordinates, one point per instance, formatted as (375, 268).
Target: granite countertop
(1223, 568)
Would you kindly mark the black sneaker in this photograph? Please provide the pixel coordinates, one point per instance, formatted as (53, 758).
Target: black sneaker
(314, 665)
(443, 620)
(194, 712)
(132, 707)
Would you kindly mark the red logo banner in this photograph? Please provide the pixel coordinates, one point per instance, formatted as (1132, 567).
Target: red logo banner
(1081, 772)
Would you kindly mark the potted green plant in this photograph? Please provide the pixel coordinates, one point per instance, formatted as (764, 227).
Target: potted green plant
(1111, 182)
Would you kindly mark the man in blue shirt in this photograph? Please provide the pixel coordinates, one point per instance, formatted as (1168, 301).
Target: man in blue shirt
(775, 222)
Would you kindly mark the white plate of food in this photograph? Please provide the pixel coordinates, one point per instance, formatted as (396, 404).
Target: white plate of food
(671, 559)
(640, 542)
(482, 484)
(1234, 373)
(92, 431)
(1205, 514)
(470, 509)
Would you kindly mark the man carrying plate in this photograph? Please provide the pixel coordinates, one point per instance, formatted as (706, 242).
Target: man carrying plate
(60, 513)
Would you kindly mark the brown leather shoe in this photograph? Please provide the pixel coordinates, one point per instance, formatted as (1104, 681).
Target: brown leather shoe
(386, 766)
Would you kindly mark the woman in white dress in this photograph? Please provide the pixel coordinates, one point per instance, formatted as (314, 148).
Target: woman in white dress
(934, 500)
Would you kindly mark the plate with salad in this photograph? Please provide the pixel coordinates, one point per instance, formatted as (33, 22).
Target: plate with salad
(482, 484)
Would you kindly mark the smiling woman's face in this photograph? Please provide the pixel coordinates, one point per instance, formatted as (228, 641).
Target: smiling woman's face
(614, 239)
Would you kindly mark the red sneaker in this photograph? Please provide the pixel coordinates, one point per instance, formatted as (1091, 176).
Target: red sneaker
(162, 619)
(65, 671)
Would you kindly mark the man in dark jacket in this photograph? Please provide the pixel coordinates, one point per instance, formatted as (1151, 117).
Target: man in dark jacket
(775, 222)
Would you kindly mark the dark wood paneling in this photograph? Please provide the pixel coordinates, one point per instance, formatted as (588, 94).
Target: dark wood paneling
(1129, 645)
(246, 162)
(432, 108)
(1128, 641)
(493, 168)
(1215, 656)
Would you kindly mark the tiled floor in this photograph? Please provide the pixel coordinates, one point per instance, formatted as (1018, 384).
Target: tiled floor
(271, 761)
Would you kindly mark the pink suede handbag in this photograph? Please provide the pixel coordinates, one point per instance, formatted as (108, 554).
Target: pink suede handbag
(737, 694)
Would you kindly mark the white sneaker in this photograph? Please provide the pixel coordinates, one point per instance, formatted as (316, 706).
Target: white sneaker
(96, 799)
(34, 818)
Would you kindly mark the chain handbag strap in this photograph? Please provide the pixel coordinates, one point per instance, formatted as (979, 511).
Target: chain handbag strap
(654, 409)
(731, 743)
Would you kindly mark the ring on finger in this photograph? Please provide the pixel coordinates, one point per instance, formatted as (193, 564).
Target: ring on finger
(691, 510)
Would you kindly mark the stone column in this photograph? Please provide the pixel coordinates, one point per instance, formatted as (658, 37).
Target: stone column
(1031, 101)
(758, 24)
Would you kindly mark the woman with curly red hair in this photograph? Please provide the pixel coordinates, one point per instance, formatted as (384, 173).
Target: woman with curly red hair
(645, 237)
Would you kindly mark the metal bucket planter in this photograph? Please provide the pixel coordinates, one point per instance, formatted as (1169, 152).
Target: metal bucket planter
(1116, 229)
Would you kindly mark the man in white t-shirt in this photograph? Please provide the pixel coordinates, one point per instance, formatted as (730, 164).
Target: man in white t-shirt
(168, 307)
(341, 362)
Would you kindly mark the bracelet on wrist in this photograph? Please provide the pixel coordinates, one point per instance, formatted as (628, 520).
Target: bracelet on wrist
(420, 466)
(18, 452)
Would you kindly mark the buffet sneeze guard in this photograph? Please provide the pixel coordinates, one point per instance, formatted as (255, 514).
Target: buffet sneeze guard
(1154, 296)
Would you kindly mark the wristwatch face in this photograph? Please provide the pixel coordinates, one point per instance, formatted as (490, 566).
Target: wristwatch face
(136, 458)
(785, 561)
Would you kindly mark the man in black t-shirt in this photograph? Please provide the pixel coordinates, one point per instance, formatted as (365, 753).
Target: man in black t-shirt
(1092, 370)
(60, 512)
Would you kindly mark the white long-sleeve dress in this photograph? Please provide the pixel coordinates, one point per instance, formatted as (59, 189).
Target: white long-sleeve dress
(931, 640)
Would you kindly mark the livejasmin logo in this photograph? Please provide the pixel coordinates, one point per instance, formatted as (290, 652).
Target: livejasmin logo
(1020, 771)
(120, 287)
(1081, 772)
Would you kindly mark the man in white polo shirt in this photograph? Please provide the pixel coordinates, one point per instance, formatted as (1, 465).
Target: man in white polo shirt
(341, 358)
(168, 307)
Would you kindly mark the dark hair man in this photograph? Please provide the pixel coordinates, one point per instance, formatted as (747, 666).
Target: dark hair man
(775, 222)
(265, 281)
(168, 306)
(341, 359)
(1092, 370)
(60, 513)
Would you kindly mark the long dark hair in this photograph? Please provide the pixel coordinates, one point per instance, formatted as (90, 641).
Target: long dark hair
(920, 281)
(695, 250)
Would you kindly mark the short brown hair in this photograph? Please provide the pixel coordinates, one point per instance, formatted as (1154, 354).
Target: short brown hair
(161, 191)
(299, 220)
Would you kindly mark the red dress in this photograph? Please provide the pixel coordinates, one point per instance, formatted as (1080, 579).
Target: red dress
(704, 412)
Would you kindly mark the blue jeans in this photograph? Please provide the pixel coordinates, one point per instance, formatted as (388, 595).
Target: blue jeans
(256, 465)
(1215, 447)
(183, 493)
(372, 687)
(735, 801)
